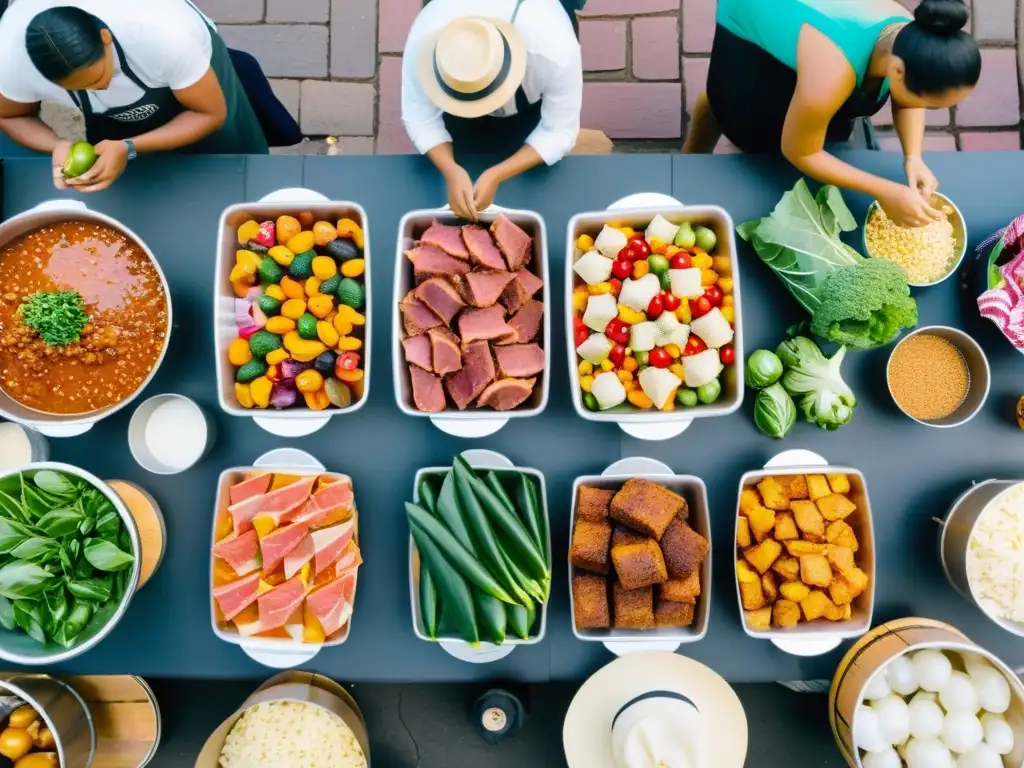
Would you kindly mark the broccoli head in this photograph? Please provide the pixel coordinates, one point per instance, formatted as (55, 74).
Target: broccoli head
(864, 305)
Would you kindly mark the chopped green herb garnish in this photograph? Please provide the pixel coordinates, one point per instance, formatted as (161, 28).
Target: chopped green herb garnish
(58, 317)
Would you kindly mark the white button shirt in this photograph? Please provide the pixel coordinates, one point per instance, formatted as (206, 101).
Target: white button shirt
(554, 73)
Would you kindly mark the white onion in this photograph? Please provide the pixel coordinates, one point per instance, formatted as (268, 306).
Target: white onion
(610, 241)
(933, 670)
(886, 759)
(877, 687)
(998, 733)
(982, 756)
(902, 676)
(893, 719)
(992, 689)
(962, 732)
(928, 753)
(926, 716)
(958, 695)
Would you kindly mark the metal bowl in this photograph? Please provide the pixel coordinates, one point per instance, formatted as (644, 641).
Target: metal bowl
(63, 710)
(956, 218)
(955, 541)
(17, 647)
(52, 212)
(978, 375)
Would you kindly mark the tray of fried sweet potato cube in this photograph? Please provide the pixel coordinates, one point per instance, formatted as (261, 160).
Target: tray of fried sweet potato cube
(805, 553)
(640, 561)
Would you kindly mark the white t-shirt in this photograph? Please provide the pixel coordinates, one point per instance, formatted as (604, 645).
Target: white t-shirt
(166, 42)
(554, 73)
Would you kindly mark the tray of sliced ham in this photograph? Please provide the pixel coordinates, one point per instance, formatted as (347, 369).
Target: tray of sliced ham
(284, 558)
(472, 343)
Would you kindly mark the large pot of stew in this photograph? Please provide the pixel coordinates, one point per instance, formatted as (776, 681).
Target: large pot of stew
(85, 317)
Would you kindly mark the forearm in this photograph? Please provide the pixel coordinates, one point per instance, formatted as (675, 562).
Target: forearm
(910, 129)
(522, 161)
(30, 132)
(829, 169)
(443, 158)
(185, 129)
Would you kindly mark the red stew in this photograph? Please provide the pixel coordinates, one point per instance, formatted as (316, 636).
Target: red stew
(124, 300)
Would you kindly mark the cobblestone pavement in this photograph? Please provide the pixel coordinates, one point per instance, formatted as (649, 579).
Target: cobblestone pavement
(336, 64)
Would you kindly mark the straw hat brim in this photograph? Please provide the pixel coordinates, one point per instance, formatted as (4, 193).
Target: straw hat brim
(587, 732)
(489, 103)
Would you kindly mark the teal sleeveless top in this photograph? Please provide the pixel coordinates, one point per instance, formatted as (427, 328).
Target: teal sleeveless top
(774, 25)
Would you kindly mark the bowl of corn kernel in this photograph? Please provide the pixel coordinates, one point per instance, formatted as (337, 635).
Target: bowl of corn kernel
(928, 254)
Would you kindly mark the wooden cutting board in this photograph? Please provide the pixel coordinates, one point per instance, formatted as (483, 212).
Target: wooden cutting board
(127, 719)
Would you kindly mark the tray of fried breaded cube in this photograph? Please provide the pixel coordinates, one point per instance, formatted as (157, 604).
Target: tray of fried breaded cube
(805, 554)
(639, 556)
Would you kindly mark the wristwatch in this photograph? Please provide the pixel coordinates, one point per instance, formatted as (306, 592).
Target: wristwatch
(132, 154)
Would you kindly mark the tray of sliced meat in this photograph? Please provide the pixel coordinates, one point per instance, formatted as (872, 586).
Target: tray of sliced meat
(472, 340)
(285, 556)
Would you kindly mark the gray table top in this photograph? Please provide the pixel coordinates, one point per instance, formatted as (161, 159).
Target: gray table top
(914, 473)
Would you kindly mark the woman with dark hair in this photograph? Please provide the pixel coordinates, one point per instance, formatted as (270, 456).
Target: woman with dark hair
(148, 75)
(796, 74)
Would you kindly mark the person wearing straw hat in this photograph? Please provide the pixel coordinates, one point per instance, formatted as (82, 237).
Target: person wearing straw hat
(508, 84)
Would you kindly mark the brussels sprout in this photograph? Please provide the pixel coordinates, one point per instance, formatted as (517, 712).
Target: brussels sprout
(764, 368)
(705, 238)
(708, 393)
(774, 411)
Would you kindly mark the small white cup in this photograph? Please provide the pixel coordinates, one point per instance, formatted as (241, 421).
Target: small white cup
(139, 445)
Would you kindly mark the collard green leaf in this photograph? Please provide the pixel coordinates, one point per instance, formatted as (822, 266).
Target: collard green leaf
(60, 522)
(91, 589)
(801, 242)
(20, 580)
(54, 482)
(37, 549)
(30, 617)
(105, 556)
(7, 614)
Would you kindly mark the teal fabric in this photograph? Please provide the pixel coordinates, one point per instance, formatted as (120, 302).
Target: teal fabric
(775, 25)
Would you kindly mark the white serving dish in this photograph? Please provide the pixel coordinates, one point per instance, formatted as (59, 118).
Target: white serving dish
(472, 422)
(297, 421)
(52, 212)
(691, 488)
(453, 644)
(636, 211)
(820, 636)
(277, 653)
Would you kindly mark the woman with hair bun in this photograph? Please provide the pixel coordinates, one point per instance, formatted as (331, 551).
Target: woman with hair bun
(793, 75)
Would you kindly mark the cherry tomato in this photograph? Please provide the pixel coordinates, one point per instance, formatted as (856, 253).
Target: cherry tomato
(681, 261)
(727, 354)
(700, 307)
(616, 285)
(714, 295)
(656, 307)
(638, 236)
(617, 331)
(639, 249)
(577, 323)
(617, 355)
(625, 253)
(582, 334)
(623, 268)
(659, 358)
(694, 346)
(670, 301)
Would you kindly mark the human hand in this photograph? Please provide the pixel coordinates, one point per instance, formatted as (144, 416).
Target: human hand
(59, 157)
(460, 193)
(111, 159)
(920, 177)
(907, 207)
(485, 189)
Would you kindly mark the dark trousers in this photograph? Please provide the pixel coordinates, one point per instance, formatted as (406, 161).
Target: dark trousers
(276, 121)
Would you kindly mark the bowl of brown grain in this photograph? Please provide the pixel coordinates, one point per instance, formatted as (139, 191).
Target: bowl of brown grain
(938, 376)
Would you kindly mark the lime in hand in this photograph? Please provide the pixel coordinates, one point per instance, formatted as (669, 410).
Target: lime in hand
(81, 157)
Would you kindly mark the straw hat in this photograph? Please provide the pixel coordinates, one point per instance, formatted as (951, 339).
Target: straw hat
(472, 66)
(685, 712)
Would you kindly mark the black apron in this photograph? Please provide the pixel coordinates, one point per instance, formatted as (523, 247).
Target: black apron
(494, 135)
(749, 91)
(240, 134)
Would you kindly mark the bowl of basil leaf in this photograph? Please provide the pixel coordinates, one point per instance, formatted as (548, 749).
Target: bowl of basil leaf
(69, 562)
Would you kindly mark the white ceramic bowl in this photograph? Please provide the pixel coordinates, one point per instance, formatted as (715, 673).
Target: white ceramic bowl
(656, 425)
(691, 488)
(138, 442)
(472, 422)
(299, 420)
